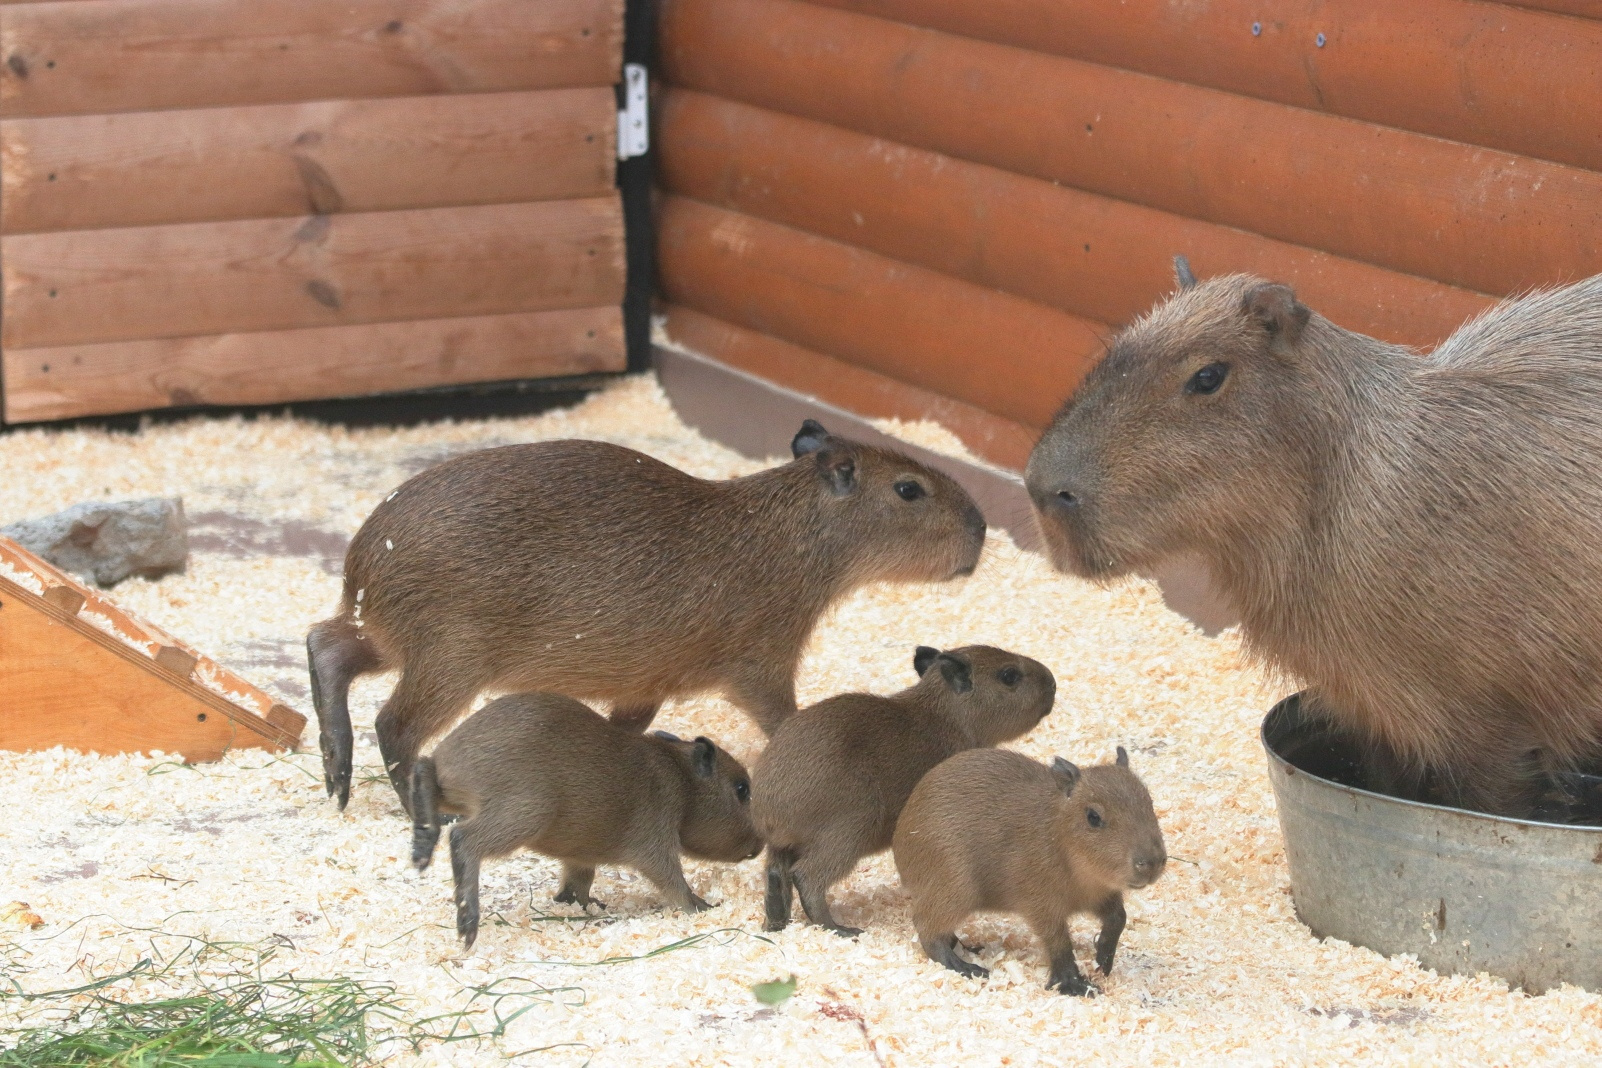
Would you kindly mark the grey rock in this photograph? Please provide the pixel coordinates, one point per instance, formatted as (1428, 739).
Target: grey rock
(108, 541)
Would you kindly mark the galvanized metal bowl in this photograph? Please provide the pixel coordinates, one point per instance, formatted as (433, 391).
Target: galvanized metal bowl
(1463, 891)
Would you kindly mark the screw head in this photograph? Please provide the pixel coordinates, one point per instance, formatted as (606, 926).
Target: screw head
(1319, 40)
(1257, 29)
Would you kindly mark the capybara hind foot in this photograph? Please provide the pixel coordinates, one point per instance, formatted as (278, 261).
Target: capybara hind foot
(943, 950)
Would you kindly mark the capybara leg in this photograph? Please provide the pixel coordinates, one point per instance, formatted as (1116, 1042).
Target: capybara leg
(942, 949)
(1065, 976)
(780, 888)
(576, 883)
(635, 717)
(465, 861)
(1112, 926)
(815, 900)
(336, 653)
(425, 812)
(668, 875)
(424, 702)
(768, 699)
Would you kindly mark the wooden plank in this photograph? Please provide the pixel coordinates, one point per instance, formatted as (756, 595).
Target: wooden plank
(1010, 356)
(146, 168)
(845, 385)
(290, 365)
(82, 673)
(275, 274)
(1470, 217)
(1089, 255)
(95, 56)
(1591, 9)
(1487, 74)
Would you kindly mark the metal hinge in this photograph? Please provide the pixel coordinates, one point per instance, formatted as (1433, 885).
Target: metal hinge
(633, 124)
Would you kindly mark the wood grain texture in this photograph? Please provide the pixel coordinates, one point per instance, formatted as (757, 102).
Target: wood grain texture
(1093, 256)
(147, 168)
(93, 56)
(1013, 357)
(1522, 81)
(90, 286)
(1591, 9)
(992, 438)
(65, 687)
(1470, 217)
(294, 365)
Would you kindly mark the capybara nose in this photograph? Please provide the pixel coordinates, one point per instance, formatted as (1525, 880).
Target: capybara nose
(975, 520)
(1065, 499)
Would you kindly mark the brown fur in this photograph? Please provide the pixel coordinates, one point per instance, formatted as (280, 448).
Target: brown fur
(1418, 538)
(993, 830)
(832, 781)
(585, 568)
(544, 772)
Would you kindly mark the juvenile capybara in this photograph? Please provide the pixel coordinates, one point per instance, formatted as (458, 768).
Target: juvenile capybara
(829, 786)
(585, 568)
(543, 772)
(991, 830)
(1418, 538)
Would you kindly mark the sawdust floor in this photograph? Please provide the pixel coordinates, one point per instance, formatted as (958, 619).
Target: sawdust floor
(127, 858)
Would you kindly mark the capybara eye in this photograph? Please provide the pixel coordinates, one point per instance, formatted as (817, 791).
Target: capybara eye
(1208, 379)
(1093, 817)
(742, 790)
(910, 490)
(1009, 676)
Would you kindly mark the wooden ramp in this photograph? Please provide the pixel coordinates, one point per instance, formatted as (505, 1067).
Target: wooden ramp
(78, 671)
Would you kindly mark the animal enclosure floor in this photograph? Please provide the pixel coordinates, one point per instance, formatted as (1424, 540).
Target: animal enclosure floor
(216, 871)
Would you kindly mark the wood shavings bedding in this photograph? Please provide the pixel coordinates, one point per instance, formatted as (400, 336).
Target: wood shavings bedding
(1213, 969)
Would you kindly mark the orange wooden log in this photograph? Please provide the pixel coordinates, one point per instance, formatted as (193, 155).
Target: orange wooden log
(1467, 216)
(319, 362)
(1000, 441)
(81, 172)
(1090, 255)
(1010, 356)
(95, 56)
(86, 286)
(1522, 81)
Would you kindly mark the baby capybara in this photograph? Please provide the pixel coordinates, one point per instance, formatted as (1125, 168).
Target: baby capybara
(1419, 538)
(831, 783)
(585, 568)
(541, 771)
(991, 830)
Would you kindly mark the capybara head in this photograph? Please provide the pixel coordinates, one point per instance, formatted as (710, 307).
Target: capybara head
(717, 805)
(997, 695)
(1106, 825)
(1184, 433)
(907, 522)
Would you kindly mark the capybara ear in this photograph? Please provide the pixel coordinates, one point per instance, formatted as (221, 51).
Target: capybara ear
(922, 657)
(1123, 757)
(809, 439)
(1276, 309)
(704, 758)
(667, 736)
(838, 466)
(956, 672)
(1182, 273)
(1067, 774)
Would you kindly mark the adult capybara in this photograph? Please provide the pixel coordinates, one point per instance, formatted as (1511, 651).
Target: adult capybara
(544, 772)
(831, 783)
(585, 568)
(1419, 538)
(991, 830)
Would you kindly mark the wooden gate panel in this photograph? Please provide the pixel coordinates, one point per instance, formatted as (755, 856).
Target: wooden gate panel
(315, 363)
(293, 159)
(77, 57)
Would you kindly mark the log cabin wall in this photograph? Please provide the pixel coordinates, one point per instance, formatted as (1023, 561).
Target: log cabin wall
(254, 201)
(910, 207)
